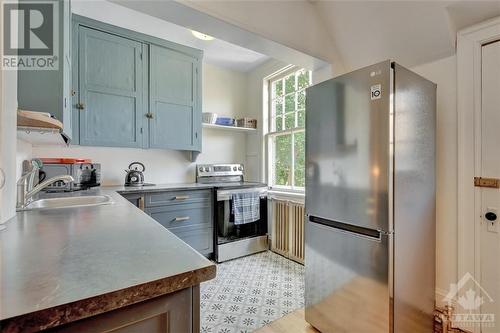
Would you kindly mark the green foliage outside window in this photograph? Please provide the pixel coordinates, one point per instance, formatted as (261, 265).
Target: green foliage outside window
(288, 101)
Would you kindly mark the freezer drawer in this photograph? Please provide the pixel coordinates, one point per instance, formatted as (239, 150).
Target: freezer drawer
(347, 279)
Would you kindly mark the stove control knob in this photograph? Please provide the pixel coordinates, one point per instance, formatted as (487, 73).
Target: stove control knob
(200, 169)
(240, 168)
(234, 168)
(207, 169)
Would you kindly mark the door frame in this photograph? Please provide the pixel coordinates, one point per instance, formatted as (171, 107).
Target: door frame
(469, 46)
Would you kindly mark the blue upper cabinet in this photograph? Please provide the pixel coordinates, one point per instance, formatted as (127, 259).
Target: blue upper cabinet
(50, 90)
(111, 110)
(134, 90)
(174, 103)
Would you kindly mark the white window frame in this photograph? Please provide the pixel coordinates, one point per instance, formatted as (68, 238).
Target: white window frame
(271, 134)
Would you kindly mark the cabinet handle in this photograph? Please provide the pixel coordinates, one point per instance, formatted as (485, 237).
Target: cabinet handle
(181, 218)
(141, 203)
(149, 115)
(181, 197)
(80, 106)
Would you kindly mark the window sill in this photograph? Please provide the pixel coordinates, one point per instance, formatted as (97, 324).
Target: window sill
(298, 197)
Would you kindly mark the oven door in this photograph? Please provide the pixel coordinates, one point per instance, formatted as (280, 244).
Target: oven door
(227, 194)
(236, 240)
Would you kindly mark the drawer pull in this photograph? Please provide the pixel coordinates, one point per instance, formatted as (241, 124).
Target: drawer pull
(181, 197)
(141, 203)
(181, 218)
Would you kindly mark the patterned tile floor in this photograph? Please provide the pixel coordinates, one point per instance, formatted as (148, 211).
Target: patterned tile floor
(251, 292)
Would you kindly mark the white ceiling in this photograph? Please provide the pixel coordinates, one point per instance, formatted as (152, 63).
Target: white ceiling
(238, 36)
(217, 52)
(410, 32)
(363, 31)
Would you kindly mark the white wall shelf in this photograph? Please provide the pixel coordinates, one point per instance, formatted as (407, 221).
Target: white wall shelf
(229, 128)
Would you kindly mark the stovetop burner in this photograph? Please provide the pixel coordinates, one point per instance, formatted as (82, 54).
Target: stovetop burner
(224, 176)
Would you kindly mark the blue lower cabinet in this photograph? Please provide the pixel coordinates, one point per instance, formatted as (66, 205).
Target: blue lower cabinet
(188, 214)
(182, 215)
(181, 197)
(200, 239)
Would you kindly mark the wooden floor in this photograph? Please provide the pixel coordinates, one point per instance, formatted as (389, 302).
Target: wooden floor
(291, 323)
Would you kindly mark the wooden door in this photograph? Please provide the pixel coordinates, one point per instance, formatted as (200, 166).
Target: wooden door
(489, 198)
(111, 90)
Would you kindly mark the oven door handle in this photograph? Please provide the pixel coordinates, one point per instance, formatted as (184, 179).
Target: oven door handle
(223, 195)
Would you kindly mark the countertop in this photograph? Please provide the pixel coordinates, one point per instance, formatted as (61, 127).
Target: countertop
(62, 265)
(178, 186)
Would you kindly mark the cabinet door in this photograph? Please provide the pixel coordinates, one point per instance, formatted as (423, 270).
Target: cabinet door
(49, 90)
(137, 199)
(174, 104)
(111, 90)
(177, 312)
(66, 63)
(200, 239)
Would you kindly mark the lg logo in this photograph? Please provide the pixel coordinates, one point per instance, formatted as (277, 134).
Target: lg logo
(376, 91)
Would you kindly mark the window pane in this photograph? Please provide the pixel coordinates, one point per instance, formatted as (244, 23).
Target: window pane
(301, 100)
(300, 158)
(278, 125)
(303, 79)
(283, 160)
(290, 103)
(290, 84)
(278, 106)
(277, 88)
(301, 119)
(289, 120)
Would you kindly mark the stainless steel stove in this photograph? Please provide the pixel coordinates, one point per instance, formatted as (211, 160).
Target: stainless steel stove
(233, 240)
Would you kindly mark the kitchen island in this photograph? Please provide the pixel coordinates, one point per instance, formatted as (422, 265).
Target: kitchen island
(97, 268)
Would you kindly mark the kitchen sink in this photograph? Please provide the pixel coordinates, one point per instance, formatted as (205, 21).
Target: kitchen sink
(68, 202)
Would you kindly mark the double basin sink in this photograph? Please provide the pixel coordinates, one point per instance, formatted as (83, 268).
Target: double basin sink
(69, 202)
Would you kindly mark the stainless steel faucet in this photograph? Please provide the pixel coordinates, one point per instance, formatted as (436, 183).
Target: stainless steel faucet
(26, 189)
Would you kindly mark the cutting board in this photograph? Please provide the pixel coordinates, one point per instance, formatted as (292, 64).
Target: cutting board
(37, 119)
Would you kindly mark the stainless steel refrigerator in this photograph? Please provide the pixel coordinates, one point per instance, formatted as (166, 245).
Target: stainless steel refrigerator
(370, 202)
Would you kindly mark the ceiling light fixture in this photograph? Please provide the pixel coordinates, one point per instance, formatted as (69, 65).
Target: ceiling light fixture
(201, 36)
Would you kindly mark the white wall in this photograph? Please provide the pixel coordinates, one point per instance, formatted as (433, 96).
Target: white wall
(224, 92)
(443, 73)
(8, 107)
(8, 120)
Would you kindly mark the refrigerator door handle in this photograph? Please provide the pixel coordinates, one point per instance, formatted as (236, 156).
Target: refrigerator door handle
(372, 234)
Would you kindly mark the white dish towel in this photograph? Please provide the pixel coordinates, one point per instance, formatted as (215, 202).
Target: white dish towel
(246, 207)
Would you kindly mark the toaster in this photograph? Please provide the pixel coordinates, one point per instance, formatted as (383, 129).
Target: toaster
(86, 175)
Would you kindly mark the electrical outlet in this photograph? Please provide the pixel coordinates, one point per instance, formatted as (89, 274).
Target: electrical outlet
(492, 225)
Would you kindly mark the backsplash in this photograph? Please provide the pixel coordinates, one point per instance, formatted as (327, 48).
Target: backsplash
(162, 166)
